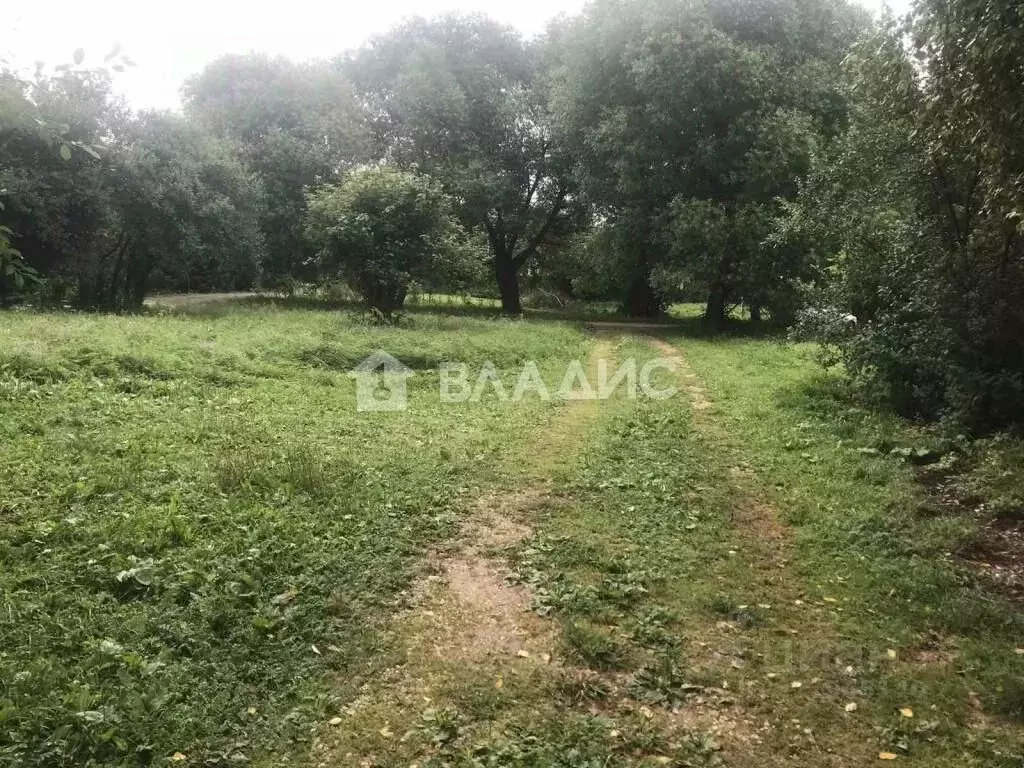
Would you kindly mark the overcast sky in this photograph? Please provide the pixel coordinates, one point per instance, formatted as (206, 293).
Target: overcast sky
(170, 41)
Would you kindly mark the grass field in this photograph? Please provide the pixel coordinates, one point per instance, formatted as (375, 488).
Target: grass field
(209, 557)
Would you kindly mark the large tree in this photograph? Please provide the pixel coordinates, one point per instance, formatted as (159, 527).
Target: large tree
(297, 125)
(181, 207)
(54, 195)
(687, 109)
(465, 99)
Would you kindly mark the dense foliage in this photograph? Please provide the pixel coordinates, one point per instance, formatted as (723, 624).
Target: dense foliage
(465, 99)
(295, 126)
(915, 216)
(784, 156)
(381, 229)
(691, 120)
(106, 202)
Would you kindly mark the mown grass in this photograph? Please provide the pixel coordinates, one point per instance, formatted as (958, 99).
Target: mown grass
(450, 706)
(651, 570)
(840, 475)
(204, 546)
(200, 537)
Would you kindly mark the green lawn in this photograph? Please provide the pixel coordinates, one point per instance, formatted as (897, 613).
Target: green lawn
(208, 556)
(199, 533)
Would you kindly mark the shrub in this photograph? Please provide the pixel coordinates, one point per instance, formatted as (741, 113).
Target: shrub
(914, 216)
(383, 228)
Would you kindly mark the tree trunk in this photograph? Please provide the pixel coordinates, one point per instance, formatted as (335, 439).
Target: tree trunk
(755, 313)
(640, 299)
(714, 312)
(507, 273)
(137, 291)
(384, 296)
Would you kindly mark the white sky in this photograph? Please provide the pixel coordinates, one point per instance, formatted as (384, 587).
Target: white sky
(171, 40)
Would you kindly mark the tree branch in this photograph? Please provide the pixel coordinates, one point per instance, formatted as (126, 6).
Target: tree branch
(531, 246)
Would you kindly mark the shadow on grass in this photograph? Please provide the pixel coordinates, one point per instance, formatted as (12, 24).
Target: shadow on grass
(224, 305)
(470, 306)
(732, 328)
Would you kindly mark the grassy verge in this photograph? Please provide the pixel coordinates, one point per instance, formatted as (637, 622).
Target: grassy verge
(868, 542)
(198, 533)
(757, 571)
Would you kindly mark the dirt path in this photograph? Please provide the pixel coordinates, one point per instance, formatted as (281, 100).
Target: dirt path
(471, 644)
(469, 631)
(801, 635)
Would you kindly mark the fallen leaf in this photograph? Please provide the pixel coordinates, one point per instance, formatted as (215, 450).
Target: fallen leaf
(829, 599)
(178, 757)
(386, 732)
(316, 650)
(498, 683)
(907, 712)
(891, 653)
(546, 658)
(523, 654)
(886, 756)
(795, 684)
(851, 707)
(251, 710)
(1019, 651)
(335, 721)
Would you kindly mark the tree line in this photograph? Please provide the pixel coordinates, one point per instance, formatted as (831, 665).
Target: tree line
(859, 180)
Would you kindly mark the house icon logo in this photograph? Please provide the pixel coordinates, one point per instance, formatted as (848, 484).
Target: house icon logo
(381, 383)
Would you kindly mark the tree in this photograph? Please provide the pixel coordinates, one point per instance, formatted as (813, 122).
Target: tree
(297, 125)
(464, 99)
(14, 272)
(698, 108)
(383, 228)
(55, 196)
(102, 201)
(914, 217)
(180, 202)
